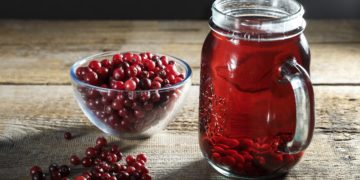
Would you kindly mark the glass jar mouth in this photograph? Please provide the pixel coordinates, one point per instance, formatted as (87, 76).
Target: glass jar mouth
(263, 19)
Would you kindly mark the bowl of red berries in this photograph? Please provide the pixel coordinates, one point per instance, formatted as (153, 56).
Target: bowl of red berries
(130, 94)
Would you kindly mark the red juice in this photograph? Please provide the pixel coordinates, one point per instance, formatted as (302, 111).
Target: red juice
(245, 114)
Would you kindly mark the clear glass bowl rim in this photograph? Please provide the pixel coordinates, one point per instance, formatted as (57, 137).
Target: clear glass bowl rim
(83, 60)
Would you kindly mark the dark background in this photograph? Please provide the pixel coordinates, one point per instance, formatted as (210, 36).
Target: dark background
(152, 9)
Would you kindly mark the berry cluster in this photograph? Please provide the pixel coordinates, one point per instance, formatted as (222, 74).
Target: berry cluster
(102, 162)
(138, 104)
(247, 157)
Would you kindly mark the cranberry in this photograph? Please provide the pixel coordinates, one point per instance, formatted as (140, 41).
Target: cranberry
(128, 56)
(130, 85)
(155, 85)
(53, 167)
(111, 158)
(94, 65)
(150, 65)
(123, 175)
(119, 85)
(139, 113)
(141, 157)
(145, 83)
(117, 57)
(119, 73)
(132, 71)
(74, 160)
(145, 176)
(106, 63)
(87, 162)
(130, 170)
(101, 141)
(90, 152)
(67, 135)
(35, 169)
(64, 170)
(81, 178)
(91, 78)
(38, 176)
(130, 159)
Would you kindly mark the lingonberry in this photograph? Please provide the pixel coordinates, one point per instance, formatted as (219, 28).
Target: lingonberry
(67, 135)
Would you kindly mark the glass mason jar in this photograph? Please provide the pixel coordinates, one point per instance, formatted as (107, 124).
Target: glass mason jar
(256, 103)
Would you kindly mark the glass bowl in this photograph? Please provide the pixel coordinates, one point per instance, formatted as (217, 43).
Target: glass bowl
(142, 118)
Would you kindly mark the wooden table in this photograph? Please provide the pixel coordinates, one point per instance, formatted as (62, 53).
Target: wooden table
(37, 104)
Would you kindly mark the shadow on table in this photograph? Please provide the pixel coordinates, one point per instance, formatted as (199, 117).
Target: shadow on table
(199, 170)
(19, 151)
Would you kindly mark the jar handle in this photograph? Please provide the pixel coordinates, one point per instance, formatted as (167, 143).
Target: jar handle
(296, 75)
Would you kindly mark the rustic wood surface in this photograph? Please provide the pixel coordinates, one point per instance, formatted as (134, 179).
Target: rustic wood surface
(37, 104)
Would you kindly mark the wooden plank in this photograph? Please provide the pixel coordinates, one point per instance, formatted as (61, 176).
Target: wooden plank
(149, 32)
(331, 63)
(33, 119)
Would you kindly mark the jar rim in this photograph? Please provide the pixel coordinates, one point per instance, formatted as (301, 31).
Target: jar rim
(275, 17)
(299, 12)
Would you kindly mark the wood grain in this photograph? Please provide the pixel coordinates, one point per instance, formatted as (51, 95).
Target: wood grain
(14, 32)
(33, 119)
(331, 63)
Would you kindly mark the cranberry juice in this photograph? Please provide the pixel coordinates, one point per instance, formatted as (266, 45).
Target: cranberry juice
(246, 114)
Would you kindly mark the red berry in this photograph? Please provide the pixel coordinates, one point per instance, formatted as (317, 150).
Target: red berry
(130, 85)
(130, 159)
(81, 178)
(67, 135)
(101, 141)
(87, 162)
(35, 169)
(38, 176)
(119, 73)
(111, 158)
(53, 167)
(64, 170)
(128, 56)
(91, 77)
(94, 65)
(91, 152)
(141, 157)
(74, 160)
(106, 63)
(149, 64)
(119, 85)
(117, 57)
(131, 71)
(155, 85)
(130, 170)
(145, 177)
